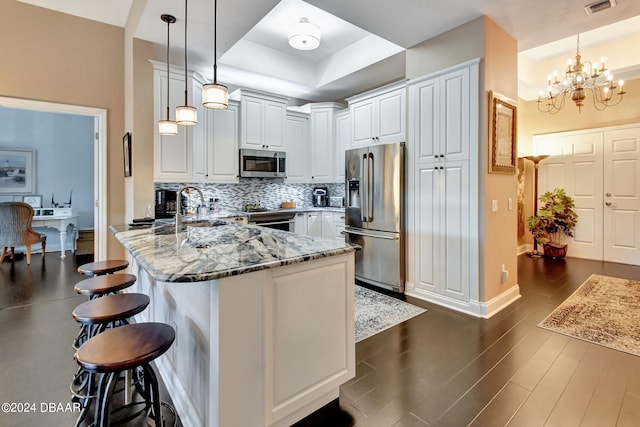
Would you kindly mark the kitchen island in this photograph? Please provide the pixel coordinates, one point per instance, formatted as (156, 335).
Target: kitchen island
(264, 319)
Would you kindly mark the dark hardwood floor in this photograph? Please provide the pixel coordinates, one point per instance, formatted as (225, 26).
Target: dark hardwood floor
(441, 368)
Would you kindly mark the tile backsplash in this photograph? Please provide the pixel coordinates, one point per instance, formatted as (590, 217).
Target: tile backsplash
(266, 191)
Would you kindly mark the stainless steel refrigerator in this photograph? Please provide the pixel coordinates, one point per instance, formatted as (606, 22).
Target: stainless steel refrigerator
(374, 213)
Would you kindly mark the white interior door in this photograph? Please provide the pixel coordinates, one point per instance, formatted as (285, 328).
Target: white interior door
(621, 202)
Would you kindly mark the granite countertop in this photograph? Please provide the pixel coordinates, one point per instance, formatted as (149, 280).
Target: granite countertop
(225, 248)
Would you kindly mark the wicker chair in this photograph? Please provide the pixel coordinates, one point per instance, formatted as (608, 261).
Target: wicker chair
(15, 229)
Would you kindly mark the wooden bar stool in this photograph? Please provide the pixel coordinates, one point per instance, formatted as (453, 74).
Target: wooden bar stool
(100, 268)
(129, 347)
(104, 285)
(95, 316)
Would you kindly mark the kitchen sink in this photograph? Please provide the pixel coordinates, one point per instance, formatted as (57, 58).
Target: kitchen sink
(204, 223)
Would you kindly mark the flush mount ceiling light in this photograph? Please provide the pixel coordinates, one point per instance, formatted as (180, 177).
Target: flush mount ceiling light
(304, 35)
(168, 126)
(214, 95)
(581, 78)
(186, 115)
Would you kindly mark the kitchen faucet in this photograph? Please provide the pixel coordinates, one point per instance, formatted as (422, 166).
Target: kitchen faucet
(179, 204)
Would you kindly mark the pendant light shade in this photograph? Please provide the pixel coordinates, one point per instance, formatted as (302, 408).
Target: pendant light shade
(215, 95)
(186, 115)
(167, 126)
(304, 35)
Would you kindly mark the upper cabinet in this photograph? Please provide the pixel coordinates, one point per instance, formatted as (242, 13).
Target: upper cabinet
(439, 116)
(296, 145)
(263, 116)
(322, 153)
(216, 159)
(173, 155)
(379, 116)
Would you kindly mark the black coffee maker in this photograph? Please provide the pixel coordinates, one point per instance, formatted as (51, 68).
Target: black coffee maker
(166, 203)
(320, 196)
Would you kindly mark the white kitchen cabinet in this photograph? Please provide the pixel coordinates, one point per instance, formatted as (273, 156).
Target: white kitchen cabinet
(439, 116)
(217, 159)
(379, 116)
(322, 141)
(443, 205)
(300, 223)
(263, 118)
(314, 223)
(296, 145)
(173, 155)
(328, 229)
(342, 141)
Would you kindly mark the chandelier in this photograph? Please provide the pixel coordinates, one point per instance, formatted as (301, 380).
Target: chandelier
(581, 77)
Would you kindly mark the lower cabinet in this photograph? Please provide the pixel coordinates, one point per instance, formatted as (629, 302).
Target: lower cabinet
(327, 224)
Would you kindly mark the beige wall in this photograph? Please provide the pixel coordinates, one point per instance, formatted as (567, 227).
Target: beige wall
(53, 57)
(501, 227)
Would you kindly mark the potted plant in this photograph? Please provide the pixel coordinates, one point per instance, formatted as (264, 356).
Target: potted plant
(554, 220)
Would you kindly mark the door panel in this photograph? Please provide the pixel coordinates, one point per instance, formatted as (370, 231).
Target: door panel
(380, 261)
(427, 228)
(622, 196)
(385, 163)
(455, 224)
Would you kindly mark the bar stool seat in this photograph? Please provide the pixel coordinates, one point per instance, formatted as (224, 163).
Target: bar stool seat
(100, 268)
(96, 316)
(129, 347)
(103, 285)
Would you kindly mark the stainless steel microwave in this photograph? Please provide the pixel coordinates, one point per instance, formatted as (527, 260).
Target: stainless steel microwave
(262, 163)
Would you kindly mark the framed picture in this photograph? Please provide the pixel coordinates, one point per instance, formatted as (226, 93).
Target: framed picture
(502, 134)
(17, 171)
(34, 201)
(126, 149)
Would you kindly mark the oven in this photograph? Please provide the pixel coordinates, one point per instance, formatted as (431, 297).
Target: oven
(274, 219)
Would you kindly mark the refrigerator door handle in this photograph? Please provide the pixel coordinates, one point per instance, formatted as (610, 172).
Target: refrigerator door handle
(365, 188)
(377, 236)
(370, 181)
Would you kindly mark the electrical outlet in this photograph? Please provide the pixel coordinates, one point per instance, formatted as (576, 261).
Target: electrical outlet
(504, 275)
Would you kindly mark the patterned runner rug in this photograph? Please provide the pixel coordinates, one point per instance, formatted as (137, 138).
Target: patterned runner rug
(603, 310)
(376, 312)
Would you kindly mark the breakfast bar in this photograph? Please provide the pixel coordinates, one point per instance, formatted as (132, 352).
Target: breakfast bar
(264, 318)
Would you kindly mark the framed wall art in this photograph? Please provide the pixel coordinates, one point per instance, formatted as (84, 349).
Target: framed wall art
(126, 149)
(502, 134)
(34, 201)
(17, 171)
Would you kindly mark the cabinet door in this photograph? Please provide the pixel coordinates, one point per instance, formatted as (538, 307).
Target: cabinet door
(222, 144)
(328, 228)
(301, 223)
(322, 145)
(314, 224)
(363, 114)
(454, 117)
(391, 117)
(424, 119)
(343, 142)
(442, 229)
(173, 155)
(296, 145)
(252, 123)
(274, 123)
(338, 224)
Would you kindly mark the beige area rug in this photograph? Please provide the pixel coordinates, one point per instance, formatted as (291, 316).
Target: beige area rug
(603, 310)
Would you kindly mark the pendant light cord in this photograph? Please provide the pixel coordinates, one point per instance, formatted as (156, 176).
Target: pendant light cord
(168, 24)
(185, 53)
(215, 42)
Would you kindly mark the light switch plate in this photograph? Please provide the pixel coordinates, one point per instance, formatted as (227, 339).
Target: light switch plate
(494, 206)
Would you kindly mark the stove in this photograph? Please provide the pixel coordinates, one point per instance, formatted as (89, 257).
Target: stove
(281, 220)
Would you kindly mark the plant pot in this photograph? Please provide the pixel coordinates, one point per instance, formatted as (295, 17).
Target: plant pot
(555, 250)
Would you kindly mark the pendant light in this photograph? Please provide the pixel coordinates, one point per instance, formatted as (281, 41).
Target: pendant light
(168, 126)
(215, 95)
(186, 115)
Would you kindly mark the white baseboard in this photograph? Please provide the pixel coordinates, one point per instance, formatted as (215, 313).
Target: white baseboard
(474, 308)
